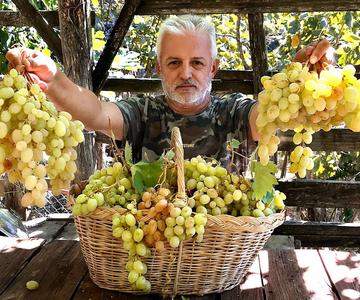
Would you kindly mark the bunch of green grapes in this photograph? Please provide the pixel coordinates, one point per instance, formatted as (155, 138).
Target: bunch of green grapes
(305, 102)
(212, 190)
(128, 228)
(111, 187)
(183, 224)
(29, 127)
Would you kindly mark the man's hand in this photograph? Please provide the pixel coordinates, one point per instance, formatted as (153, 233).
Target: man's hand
(319, 54)
(41, 68)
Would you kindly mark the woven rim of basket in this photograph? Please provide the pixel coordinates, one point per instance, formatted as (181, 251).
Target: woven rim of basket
(227, 223)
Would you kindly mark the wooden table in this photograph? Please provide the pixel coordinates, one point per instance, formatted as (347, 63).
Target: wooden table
(54, 259)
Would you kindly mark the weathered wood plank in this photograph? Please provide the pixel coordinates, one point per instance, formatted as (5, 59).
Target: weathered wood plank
(12, 197)
(321, 193)
(48, 230)
(337, 139)
(89, 290)
(344, 272)
(159, 7)
(225, 81)
(146, 85)
(114, 42)
(322, 234)
(75, 29)
(318, 241)
(58, 267)
(347, 140)
(250, 288)
(40, 24)
(69, 233)
(14, 255)
(15, 18)
(258, 48)
(294, 274)
(149, 7)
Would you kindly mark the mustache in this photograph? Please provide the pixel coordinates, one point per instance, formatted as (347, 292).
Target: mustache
(186, 82)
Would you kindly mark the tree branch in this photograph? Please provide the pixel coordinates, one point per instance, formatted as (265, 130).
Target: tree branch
(113, 43)
(41, 25)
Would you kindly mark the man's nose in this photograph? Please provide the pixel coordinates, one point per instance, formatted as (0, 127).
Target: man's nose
(186, 72)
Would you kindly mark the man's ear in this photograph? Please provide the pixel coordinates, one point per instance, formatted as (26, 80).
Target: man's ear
(214, 67)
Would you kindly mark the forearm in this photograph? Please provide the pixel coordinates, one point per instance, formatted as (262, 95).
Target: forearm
(81, 103)
(252, 122)
(85, 106)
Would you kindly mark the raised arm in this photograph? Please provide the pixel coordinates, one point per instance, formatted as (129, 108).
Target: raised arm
(81, 103)
(319, 53)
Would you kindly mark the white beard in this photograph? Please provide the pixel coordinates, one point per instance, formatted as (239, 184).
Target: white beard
(195, 98)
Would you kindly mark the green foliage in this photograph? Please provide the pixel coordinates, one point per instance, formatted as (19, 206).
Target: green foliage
(341, 28)
(145, 174)
(18, 36)
(264, 179)
(339, 166)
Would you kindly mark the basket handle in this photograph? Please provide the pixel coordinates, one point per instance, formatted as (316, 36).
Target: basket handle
(176, 143)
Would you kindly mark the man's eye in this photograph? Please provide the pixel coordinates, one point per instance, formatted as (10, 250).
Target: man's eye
(198, 63)
(172, 63)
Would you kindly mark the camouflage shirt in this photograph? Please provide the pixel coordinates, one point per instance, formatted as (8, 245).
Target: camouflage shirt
(148, 122)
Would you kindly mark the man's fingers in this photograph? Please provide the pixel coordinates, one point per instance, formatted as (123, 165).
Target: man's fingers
(319, 51)
(37, 80)
(13, 56)
(309, 50)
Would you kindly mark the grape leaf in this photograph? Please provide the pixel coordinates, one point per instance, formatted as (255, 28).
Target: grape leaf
(145, 174)
(128, 154)
(348, 19)
(267, 198)
(264, 178)
(138, 182)
(234, 144)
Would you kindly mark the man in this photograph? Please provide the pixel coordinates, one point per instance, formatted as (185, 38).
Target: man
(186, 64)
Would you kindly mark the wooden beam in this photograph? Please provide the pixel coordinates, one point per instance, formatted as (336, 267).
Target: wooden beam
(146, 85)
(160, 7)
(114, 42)
(16, 19)
(321, 193)
(75, 28)
(321, 234)
(41, 25)
(258, 49)
(337, 139)
(225, 81)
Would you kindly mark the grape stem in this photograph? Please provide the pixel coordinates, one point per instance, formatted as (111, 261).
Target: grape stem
(117, 153)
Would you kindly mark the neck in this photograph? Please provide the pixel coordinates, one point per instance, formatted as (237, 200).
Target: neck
(188, 109)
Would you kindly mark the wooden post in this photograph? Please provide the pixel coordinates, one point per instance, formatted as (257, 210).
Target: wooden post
(12, 196)
(258, 49)
(75, 30)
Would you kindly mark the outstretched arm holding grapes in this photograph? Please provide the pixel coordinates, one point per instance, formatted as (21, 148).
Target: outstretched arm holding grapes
(186, 64)
(81, 103)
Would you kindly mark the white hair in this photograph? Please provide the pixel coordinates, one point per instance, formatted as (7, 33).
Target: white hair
(185, 24)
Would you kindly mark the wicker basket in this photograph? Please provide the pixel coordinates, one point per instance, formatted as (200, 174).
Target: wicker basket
(229, 248)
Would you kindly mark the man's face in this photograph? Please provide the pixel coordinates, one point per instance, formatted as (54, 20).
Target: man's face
(186, 68)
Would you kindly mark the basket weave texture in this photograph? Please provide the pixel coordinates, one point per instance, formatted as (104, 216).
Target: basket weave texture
(218, 263)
